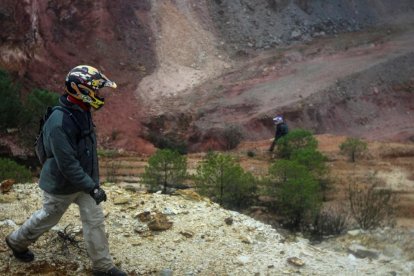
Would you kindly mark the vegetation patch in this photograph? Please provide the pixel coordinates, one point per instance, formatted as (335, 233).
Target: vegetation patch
(353, 148)
(296, 193)
(11, 170)
(232, 136)
(24, 114)
(295, 140)
(371, 205)
(222, 179)
(165, 169)
(168, 141)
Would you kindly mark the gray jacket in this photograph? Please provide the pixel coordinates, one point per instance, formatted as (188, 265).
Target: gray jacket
(71, 145)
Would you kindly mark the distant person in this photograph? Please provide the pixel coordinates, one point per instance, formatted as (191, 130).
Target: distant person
(281, 130)
(70, 173)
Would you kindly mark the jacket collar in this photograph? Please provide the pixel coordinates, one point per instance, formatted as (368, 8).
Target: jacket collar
(73, 103)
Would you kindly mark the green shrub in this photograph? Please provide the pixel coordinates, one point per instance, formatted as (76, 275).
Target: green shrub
(25, 115)
(315, 162)
(38, 100)
(295, 140)
(168, 141)
(11, 170)
(353, 147)
(232, 136)
(251, 153)
(10, 105)
(296, 191)
(312, 159)
(222, 179)
(166, 168)
(34, 108)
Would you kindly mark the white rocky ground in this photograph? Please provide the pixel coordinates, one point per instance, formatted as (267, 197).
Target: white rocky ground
(204, 239)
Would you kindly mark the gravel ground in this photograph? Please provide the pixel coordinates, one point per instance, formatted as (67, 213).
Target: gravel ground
(203, 239)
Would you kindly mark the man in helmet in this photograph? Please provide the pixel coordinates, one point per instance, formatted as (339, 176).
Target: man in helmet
(70, 173)
(281, 130)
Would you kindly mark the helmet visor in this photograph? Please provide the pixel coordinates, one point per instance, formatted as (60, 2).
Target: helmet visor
(107, 82)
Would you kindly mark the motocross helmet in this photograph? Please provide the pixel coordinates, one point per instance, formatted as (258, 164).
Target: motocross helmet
(83, 83)
(278, 120)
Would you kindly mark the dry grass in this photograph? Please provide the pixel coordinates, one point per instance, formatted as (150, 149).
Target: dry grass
(393, 163)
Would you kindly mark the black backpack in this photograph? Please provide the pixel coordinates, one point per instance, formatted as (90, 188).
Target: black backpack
(38, 145)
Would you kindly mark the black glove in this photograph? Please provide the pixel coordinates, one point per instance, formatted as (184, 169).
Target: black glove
(98, 194)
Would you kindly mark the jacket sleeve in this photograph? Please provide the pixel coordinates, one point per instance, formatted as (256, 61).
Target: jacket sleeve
(65, 156)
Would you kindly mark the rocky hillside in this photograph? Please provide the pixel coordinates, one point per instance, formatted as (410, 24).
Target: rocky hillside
(191, 68)
(264, 24)
(184, 234)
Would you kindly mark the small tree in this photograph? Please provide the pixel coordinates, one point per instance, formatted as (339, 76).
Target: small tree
(315, 162)
(166, 168)
(353, 147)
(371, 205)
(295, 140)
(296, 191)
(312, 159)
(225, 181)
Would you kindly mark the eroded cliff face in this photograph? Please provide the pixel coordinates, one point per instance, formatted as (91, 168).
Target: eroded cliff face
(191, 68)
(42, 40)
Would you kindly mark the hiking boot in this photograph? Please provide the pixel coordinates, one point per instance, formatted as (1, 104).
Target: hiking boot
(112, 272)
(24, 256)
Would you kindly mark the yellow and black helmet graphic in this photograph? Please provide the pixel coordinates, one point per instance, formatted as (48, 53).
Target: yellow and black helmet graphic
(83, 82)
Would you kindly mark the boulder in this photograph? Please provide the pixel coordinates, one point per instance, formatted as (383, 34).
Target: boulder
(159, 222)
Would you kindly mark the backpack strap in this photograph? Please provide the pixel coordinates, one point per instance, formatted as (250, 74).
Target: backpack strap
(67, 112)
(83, 133)
(44, 118)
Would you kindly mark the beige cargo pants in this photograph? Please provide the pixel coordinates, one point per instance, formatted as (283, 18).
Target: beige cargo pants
(54, 206)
